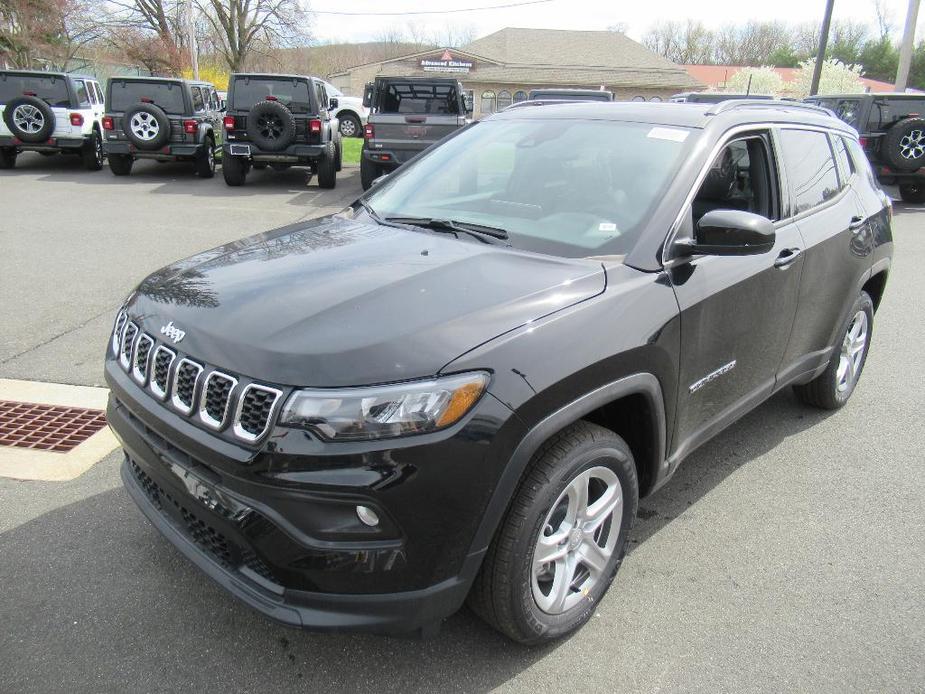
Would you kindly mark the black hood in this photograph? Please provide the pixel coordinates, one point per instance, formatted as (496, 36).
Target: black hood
(337, 302)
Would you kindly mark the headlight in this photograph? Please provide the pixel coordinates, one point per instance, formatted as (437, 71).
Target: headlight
(376, 412)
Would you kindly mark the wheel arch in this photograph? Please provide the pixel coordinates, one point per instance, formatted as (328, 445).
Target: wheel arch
(875, 285)
(632, 407)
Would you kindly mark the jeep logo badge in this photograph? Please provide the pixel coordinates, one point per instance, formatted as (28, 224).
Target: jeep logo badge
(172, 332)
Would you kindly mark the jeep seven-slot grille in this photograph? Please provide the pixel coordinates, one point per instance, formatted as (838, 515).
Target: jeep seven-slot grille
(191, 388)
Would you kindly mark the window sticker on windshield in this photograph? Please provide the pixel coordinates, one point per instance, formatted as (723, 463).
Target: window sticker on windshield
(672, 134)
(606, 226)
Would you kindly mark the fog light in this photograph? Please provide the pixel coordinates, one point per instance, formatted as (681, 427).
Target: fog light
(368, 516)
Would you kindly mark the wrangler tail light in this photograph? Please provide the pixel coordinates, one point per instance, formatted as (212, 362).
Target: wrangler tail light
(314, 126)
(863, 141)
(229, 122)
(190, 127)
(368, 131)
(77, 119)
(108, 124)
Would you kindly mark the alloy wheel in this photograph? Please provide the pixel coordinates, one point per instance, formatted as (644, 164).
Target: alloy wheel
(270, 126)
(145, 126)
(852, 352)
(577, 540)
(28, 118)
(912, 146)
(348, 128)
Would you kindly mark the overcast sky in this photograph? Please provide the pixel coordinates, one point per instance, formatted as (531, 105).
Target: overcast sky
(584, 14)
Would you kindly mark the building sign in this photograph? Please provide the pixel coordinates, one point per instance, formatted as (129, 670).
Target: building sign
(446, 63)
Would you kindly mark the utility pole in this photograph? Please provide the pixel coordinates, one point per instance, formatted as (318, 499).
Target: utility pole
(905, 50)
(823, 42)
(193, 48)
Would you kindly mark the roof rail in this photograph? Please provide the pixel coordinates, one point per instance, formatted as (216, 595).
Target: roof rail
(732, 104)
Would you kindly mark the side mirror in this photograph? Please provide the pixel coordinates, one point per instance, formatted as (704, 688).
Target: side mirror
(731, 232)
(467, 102)
(368, 95)
(333, 104)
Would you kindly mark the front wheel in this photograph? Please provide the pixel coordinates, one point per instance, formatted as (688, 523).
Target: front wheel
(205, 162)
(234, 169)
(563, 539)
(831, 389)
(8, 157)
(912, 192)
(121, 164)
(350, 126)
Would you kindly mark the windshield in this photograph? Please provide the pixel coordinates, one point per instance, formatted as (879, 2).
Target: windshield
(572, 188)
(124, 94)
(51, 88)
(291, 93)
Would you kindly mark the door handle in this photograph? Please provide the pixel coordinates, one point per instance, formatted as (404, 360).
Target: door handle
(857, 223)
(786, 257)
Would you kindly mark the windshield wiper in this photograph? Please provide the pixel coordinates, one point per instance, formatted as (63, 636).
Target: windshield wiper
(480, 231)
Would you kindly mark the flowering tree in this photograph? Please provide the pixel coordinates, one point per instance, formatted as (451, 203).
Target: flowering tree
(836, 78)
(756, 80)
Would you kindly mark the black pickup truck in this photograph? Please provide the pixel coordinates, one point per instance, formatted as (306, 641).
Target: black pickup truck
(406, 116)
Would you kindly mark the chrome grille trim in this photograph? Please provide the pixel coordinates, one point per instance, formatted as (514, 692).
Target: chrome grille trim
(204, 415)
(178, 404)
(125, 357)
(117, 328)
(153, 385)
(140, 372)
(246, 435)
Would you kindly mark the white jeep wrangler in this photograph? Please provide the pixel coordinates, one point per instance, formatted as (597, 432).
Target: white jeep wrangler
(50, 113)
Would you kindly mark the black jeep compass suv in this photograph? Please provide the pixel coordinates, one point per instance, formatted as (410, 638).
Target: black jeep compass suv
(460, 386)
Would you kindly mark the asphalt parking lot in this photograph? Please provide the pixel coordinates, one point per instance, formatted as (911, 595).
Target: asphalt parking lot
(786, 554)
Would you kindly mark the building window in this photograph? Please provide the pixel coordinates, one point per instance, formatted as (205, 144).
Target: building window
(488, 102)
(520, 95)
(504, 99)
(639, 98)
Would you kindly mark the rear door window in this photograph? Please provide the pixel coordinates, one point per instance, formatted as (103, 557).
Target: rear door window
(845, 166)
(810, 168)
(51, 89)
(423, 98)
(83, 98)
(126, 93)
(198, 102)
(294, 94)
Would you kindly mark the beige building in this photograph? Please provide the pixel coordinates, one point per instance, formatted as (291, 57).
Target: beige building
(503, 67)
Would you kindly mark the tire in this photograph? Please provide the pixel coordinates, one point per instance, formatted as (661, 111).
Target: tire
(205, 162)
(340, 155)
(829, 390)
(369, 172)
(8, 157)
(146, 126)
(327, 167)
(270, 126)
(903, 145)
(349, 125)
(92, 153)
(121, 164)
(507, 591)
(234, 169)
(29, 118)
(912, 192)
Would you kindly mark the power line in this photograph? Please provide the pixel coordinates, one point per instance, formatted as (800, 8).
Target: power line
(456, 11)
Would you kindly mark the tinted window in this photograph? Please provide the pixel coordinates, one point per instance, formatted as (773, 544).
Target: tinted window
(845, 167)
(91, 89)
(738, 179)
(293, 94)
(810, 166)
(52, 90)
(124, 94)
(198, 103)
(99, 93)
(83, 99)
(413, 97)
(569, 188)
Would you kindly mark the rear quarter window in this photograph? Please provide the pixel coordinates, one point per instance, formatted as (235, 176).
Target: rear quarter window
(293, 94)
(810, 167)
(51, 89)
(123, 94)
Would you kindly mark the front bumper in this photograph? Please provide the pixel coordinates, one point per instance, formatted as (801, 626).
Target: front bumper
(292, 154)
(52, 144)
(167, 152)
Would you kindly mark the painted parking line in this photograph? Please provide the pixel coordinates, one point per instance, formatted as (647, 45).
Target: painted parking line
(49, 466)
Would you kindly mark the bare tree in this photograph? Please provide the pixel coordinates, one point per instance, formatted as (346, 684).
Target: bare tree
(687, 42)
(241, 28)
(751, 43)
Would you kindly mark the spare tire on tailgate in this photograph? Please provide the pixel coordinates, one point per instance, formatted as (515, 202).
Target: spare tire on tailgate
(903, 145)
(270, 126)
(146, 126)
(29, 118)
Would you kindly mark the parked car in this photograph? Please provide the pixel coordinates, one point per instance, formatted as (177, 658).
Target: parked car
(713, 97)
(892, 129)
(406, 116)
(460, 386)
(351, 114)
(50, 113)
(280, 121)
(162, 118)
(554, 95)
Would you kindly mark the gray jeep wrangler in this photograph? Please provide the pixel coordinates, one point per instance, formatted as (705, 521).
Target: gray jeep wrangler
(406, 116)
(162, 118)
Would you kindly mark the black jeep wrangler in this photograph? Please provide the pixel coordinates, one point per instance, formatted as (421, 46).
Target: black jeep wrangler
(162, 118)
(280, 121)
(892, 130)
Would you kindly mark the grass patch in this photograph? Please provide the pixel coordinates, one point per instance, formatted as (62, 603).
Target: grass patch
(351, 149)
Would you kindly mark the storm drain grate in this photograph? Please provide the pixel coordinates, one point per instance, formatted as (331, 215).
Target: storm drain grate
(47, 427)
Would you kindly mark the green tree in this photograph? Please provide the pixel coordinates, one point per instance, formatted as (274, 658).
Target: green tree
(879, 59)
